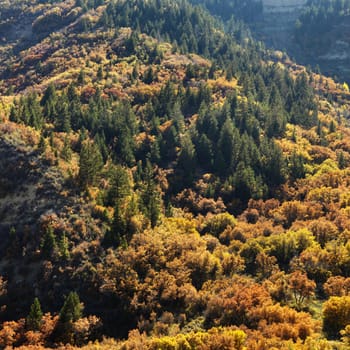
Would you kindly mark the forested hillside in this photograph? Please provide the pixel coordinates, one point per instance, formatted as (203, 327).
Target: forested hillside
(167, 183)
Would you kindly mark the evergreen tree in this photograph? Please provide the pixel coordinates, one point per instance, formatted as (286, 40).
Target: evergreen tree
(35, 111)
(273, 163)
(71, 312)
(66, 153)
(304, 108)
(342, 163)
(148, 76)
(48, 244)
(63, 246)
(229, 145)
(34, 318)
(14, 112)
(296, 166)
(81, 77)
(120, 189)
(186, 162)
(150, 196)
(155, 150)
(72, 309)
(90, 163)
(42, 144)
(49, 102)
(120, 186)
(99, 74)
(204, 150)
(244, 182)
(118, 231)
(63, 119)
(49, 94)
(135, 72)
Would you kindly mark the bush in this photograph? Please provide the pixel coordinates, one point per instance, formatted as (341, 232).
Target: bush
(336, 315)
(218, 223)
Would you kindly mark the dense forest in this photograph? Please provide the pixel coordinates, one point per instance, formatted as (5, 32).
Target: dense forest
(166, 182)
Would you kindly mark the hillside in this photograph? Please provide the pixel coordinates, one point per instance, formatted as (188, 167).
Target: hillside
(167, 183)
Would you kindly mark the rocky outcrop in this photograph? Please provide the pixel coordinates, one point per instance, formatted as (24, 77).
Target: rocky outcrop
(277, 21)
(330, 51)
(282, 6)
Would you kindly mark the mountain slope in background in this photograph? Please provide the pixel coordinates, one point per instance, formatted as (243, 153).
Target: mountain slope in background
(313, 32)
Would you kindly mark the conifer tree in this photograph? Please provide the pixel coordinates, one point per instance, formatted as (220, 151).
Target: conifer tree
(71, 312)
(81, 77)
(48, 243)
(150, 198)
(229, 144)
(341, 160)
(148, 76)
(296, 166)
(99, 75)
(72, 309)
(90, 163)
(49, 102)
(34, 318)
(118, 230)
(66, 153)
(63, 246)
(204, 152)
(42, 144)
(187, 160)
(120, 186)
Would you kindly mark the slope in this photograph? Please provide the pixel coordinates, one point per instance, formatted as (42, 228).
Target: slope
(153, 127)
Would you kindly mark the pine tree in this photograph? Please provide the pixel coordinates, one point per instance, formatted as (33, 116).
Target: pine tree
(120, 186)
(81, 77)
(245, 182)
(187, 160)
(229, 145)
(66, 153)
(48, 243)
(90, 163)
(34, 318)
(148, 76)
(49, 102)
(14, 113)
(204, 150)
(99, 75)
(72, 309)
(63, 116)
(49, 94)
(71, 312)
(118, 230)
(63, 246)
(42, 144)
(342, 163)
(150, 198)
(135, 72)
(296, 166)
(273, 162)
(155, 150)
